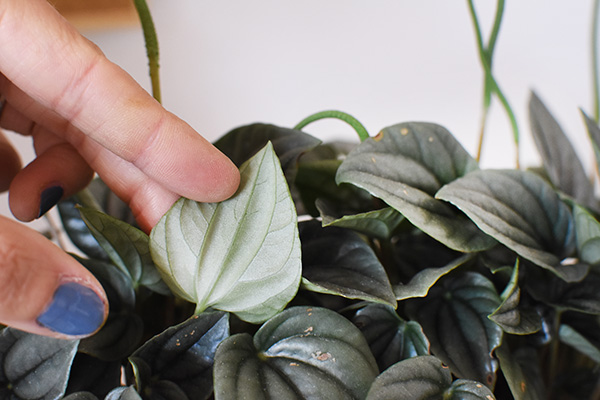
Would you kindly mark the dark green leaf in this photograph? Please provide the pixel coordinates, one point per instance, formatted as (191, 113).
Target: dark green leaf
(183, 355)
(116, 283)
(127, 247)
(454, 318)
(81, 396)
(418, 378)
(464, 389)
(522, 373)
(77, 230)
(582, 296)
(521, 211)
(587, 232)
(302, 353)
(242, 143)
(558, 155)
(571, 337)
(34, 367)
(338, 261)
(390, 338)
(405, 165)
(420, 284)
(510, 315)
(124, 393)
(379, 224)
(241, 255)
(120, 335)
(316, 180)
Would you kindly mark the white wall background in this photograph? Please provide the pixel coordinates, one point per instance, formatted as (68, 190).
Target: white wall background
(226, 63)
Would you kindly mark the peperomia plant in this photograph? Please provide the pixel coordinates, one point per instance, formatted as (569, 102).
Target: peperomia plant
(395, 268)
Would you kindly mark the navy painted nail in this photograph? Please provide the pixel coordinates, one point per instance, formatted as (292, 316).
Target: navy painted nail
(50, 197)
(75, 310)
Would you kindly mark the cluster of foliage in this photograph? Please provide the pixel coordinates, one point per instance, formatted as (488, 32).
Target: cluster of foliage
(411, 274)
(395, 268)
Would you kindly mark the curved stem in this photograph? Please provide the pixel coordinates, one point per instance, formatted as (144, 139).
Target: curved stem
(347, 118)
(490, 84)
(595, 78)
(151, 45)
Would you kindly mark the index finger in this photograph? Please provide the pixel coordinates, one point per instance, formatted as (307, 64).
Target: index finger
(50, 61)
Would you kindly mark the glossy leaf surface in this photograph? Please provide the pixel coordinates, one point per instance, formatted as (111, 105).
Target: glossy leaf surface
(405, 165)
(336, 260)
(301, 353)
(390, 338)
(558, 155)
(454, 318)
(127, 247)
(180, 359)
(241, 255)
(417, 378)
(521, 211)
(464, 389)
(34, 367)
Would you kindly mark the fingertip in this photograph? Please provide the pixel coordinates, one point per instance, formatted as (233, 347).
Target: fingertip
(46, 291)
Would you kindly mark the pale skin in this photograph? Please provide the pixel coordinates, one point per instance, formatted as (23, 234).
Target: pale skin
(84, 114)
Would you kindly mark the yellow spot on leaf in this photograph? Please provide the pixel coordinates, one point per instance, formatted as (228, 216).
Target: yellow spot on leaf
(379, 136)
(404, 131)
(523, 386)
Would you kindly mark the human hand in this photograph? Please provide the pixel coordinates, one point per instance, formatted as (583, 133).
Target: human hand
(84, 114)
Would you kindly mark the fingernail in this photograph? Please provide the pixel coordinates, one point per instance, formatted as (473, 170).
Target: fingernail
(49, 198)
(75, 310)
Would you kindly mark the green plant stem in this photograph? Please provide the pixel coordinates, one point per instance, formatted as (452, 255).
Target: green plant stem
(490, 84)
(595, 77)
(151, 45)
(349, 119)
(554, 349)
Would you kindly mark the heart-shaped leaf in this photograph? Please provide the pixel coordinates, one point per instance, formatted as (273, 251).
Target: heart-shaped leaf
(465, 389)
(241, 255)
(390, 338)
(34, 367)
(379, 224)
(558, 155)
(127, 247)
(405, 165)
(181, 358)
(521, 211)
(336, 260)
(454, 319)
(301, 353)
(422, 377)
(420, 284)
(512, 317)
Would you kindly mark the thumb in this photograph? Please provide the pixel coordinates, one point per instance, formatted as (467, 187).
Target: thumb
(44, 290)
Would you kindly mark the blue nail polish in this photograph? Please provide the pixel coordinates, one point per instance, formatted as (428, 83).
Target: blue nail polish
(49, 198)
(75, 310)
